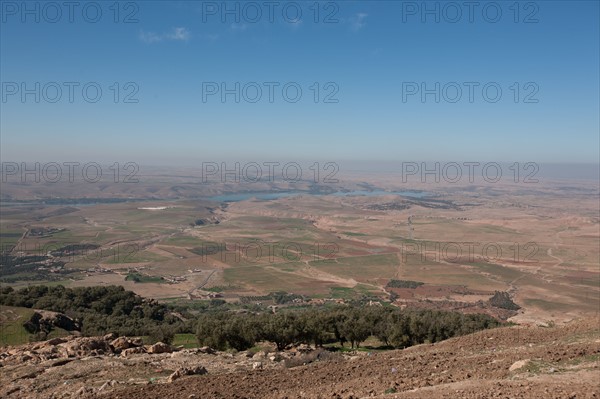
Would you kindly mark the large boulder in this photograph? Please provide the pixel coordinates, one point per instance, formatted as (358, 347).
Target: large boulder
(82, 347)
(110, 337)
(132, 351)
(160, 347)
(122, 343)
(46, 321)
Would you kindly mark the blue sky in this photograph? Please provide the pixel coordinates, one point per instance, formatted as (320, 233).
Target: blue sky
(371, 51)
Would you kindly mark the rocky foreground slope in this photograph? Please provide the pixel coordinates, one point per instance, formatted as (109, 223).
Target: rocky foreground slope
(531, 362)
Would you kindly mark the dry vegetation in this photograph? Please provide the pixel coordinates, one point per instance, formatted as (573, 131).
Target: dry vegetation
(534, 246)
(527, 240)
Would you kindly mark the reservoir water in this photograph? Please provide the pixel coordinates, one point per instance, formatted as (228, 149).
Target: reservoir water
(284, 194)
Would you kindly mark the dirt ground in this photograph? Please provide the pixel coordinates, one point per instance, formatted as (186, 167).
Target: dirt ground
(556, 363)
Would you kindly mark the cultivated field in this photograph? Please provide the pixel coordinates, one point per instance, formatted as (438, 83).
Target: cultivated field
(539, 243)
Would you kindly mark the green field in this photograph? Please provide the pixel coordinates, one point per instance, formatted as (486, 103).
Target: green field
(361, 268)
(12, 331)
(502, 273)
(9, 238)
(548, 305)
(274, 278)
(353, 293)
(185, 340)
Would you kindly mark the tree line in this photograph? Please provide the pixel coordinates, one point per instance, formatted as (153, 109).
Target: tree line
(100, 310)
(344, 324)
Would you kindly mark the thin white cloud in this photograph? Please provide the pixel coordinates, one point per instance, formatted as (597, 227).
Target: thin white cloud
(177, 34)
(358, 21)
(149, 37)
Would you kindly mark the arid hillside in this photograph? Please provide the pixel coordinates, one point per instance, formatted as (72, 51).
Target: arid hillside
(520, 361)
(514, 362)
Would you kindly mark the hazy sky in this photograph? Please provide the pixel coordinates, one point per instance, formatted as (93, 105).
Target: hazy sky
(361, 66)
